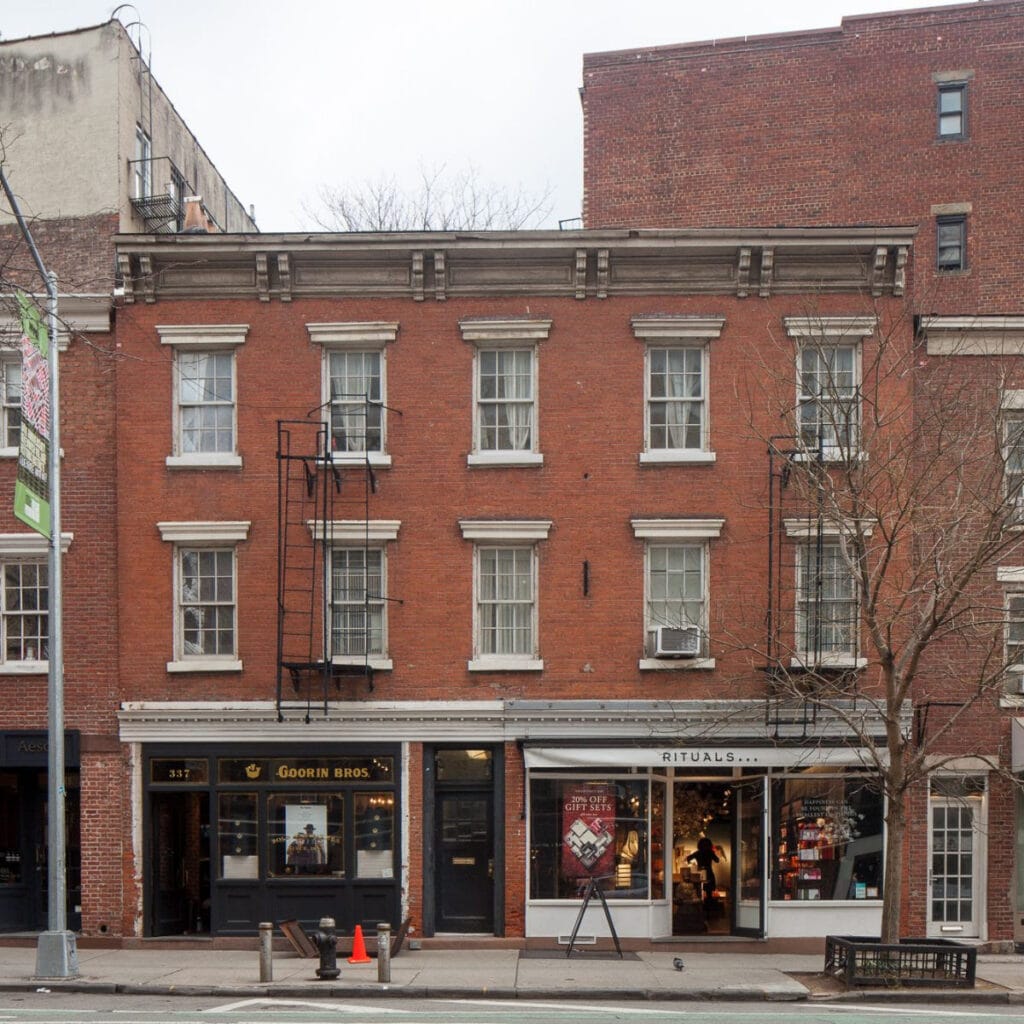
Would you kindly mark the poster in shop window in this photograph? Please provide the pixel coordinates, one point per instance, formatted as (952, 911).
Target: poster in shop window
(588, 830)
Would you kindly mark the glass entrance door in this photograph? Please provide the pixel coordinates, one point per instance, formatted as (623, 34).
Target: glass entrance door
(750, 880)
(957, 854)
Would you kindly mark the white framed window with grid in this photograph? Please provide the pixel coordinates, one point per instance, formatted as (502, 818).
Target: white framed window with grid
(205, 401)
(1012, 425)
(505, 598)
(829, 369)
(358, 589)
(676, 365)
(506, 420)
(205, 587)
(676, 591)
(354, 388)
(25, 603)
(10, 421)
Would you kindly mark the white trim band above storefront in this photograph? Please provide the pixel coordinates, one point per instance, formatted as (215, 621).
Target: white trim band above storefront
(695, 757)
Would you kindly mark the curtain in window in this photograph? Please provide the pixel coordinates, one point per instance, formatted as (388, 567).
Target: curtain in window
(676, 398)
(828, 603)
(208, 602)
(506, 601)
(676, 586)
(355, 382)
(506, 400)
(357, 608)
(828, 397)
(206, 396)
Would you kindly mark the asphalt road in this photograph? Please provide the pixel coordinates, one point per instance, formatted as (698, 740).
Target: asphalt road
(82, 1008)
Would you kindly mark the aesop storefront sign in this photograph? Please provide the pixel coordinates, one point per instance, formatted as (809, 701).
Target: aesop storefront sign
(31, 749)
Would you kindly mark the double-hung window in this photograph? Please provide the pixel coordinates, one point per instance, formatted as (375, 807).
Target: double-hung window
(354, 393)
(1013, 463)
(10, 422)
(1012, 580)
(142, 166)
(829, 383)
(952, 110)
(505, 593)
(25, 602)
(676, 591)
(205, 594)
(505, 407)
(676, 384)
(826, 603)
(358, 594)
(951, 242)
(205, 429)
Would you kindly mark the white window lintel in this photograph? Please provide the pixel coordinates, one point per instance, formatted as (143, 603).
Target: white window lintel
(831, 329)
(354, 334)
(16, 544)
(1010, 574)
(677, 328)
(505, 529)
(202, 335)
(804, 528)
(202, 533)
(354, 531)
(677, 529)
(494, 333)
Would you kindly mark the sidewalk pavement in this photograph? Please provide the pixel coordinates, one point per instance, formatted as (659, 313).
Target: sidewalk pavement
(475, 973)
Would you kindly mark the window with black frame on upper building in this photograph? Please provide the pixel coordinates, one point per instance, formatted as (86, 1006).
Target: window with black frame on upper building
(951, 242)
(952, 110)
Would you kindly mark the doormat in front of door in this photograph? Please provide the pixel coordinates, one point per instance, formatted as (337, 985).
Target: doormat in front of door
(577, 954)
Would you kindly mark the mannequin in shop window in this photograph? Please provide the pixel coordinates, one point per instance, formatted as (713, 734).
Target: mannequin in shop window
(705, 858)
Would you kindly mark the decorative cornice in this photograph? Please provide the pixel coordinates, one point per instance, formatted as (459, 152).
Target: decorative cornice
(79, 314)
(623, 721)
(577, 264)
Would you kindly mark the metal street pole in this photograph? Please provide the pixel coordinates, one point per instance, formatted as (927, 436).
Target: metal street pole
(56, 953)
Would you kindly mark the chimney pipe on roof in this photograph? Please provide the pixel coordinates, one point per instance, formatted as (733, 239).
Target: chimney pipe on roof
(195, 219)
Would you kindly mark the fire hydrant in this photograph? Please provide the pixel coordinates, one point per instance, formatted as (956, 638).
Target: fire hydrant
(326, 942)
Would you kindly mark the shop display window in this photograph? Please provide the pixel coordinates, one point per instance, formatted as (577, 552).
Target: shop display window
(827, 838)
(583, 828)
(374, 827)
(306, 834)
(10, 838)
(237, 830)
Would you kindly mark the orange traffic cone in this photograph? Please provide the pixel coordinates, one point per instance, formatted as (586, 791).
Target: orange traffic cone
(358, 948)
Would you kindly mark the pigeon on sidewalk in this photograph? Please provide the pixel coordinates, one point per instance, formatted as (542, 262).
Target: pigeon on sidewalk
(678, 964)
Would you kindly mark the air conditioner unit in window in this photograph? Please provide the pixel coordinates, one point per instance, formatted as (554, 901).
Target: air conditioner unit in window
(676, 642)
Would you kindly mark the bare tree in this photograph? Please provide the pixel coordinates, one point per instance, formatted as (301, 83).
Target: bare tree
(442, 200)
(895, 493)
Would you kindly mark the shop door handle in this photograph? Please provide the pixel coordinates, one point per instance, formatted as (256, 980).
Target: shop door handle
(490, 868)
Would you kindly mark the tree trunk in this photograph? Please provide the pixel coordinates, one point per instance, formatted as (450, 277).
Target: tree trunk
(892, 896)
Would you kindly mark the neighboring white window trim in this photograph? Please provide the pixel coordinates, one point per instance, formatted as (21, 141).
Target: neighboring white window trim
(351, 532)
(489, 335)
(677, 332)
(675, 664)
(203, 337)
(356, 336)
(973, 335)
(677, 529)
(511, 533)
(34, 546)
(804, 529)
(204, 532)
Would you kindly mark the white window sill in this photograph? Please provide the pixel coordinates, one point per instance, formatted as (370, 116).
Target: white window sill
(829, 661)
(505, 459)
(8, 453)
(204, 460)
(836, 455)
(205, 665)
(508, 663)
(25, 668)
(378, 460)
(377, 662)
(675, 456)
(674, 664)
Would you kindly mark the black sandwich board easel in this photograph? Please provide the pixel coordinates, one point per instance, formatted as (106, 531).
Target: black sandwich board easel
(592, 888)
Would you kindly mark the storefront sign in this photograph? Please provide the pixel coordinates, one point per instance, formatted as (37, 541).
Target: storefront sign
(695, 757)
(307, 770)
(31, 749)
(32, 485)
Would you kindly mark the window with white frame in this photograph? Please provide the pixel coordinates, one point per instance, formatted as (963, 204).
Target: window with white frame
(826, 604)
(829, 383)
(142, 166)
(205, 594)
(358, 589)
(1013, 462)
(505, 593)
(354, 391)
(25, 602)
(676, 382)
(10, 422)
(205, 393)
(676, 591)
(1015, 632)
(505, 418)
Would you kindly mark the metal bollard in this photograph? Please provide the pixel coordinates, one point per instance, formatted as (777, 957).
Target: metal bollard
(266, 953)
(384, 952)
(326, 941)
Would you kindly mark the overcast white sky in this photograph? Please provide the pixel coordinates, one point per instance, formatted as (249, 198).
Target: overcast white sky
(286, 96)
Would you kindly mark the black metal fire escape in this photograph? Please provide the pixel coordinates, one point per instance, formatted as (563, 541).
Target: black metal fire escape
(313, 489)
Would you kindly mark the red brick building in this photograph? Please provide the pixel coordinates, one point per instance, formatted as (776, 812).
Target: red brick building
(545, 572)
(906, 118)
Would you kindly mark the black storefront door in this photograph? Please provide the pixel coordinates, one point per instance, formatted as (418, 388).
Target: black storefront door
(465, 861)
(181, 852)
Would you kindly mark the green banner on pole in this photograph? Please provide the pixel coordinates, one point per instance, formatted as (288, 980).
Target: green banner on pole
(32, 487)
